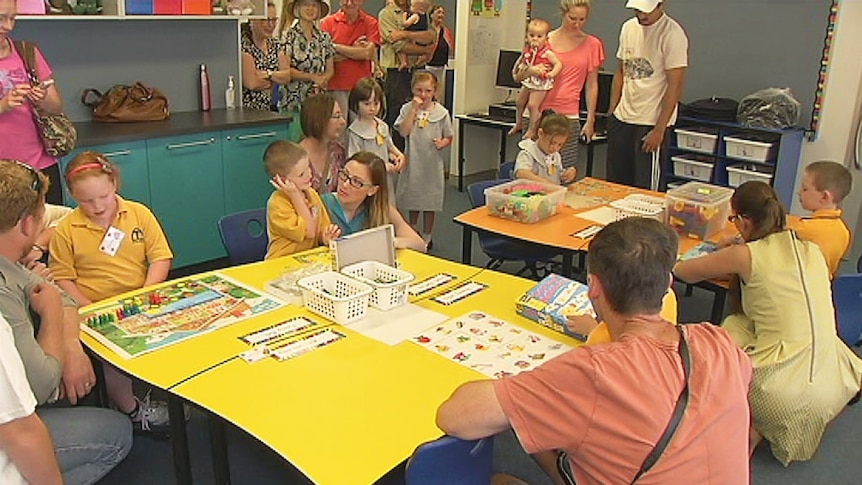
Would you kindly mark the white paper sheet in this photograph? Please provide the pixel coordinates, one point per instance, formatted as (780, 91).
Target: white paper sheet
(396, 325)
(602, 215)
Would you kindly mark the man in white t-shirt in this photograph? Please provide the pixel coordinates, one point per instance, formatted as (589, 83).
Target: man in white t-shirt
(26, 453)
(653, 57)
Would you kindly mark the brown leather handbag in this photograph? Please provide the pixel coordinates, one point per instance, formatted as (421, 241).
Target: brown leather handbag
(124, 103)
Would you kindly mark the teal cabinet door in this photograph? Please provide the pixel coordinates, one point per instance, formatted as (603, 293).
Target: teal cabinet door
(245, 182)
(187, 194)
(130, 158)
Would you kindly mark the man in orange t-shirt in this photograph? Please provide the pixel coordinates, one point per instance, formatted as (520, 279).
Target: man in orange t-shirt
(355, 36)
(607, 405)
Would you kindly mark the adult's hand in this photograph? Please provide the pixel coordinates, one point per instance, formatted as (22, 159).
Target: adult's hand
(14, 98)
(45, 299)
(397, 35)
(588, 130)
(653, 140)
(78, 375)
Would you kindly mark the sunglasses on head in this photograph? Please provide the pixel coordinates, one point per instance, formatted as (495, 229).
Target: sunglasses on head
(37, 181)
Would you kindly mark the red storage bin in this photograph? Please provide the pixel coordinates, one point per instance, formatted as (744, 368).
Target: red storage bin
(167, 7)
(197, 7)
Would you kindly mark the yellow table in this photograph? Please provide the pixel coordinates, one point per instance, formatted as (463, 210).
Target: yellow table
(350, 412)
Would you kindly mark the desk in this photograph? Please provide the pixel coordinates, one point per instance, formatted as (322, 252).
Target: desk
(556, 233)
(485, 121)
(350, 412)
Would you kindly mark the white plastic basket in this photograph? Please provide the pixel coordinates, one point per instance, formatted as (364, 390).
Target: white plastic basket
(389, 284)
(753, 150)
(335, 296)
(692, 168)
(696, 141)
(639, 205)
(739, 174)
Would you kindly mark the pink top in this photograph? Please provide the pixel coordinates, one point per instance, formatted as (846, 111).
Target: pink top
(607, 404)
(536, 57)
(565, 97)
(19, 136)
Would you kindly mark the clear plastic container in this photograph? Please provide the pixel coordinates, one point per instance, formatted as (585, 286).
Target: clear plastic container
(524, 200)
(698, 210)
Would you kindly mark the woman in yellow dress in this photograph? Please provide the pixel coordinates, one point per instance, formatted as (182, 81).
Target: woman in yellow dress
(783, 319)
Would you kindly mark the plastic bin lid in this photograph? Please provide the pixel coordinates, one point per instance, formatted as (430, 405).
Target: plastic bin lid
(701, 192)
(375, 244)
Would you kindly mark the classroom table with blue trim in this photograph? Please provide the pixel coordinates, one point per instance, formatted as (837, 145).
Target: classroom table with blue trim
(558, 231)
(352, 411)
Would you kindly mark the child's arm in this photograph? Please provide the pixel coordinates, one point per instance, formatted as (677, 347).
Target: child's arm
(568, 175)
(529, 175)
(405, 121)
(411, 19)
(61, 263)
(70, 287)
(159, 253)
(558, 65)
(396, 157)
(447, 132)
(443, 142)
(300, 205)
(329, 233)
(157, 272)
(328, 230)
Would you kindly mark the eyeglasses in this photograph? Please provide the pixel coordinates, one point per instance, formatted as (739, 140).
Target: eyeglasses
(354, 181)
(271, 20)
(339, 116)
(37, 182)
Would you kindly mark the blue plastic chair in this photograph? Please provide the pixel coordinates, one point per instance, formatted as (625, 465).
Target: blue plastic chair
(501, 249)
(507, 171)
(448, 461)
(244, 235)
(847, 297)
(859, 264)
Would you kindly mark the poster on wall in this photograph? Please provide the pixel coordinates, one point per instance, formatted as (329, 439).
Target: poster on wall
(486, 8)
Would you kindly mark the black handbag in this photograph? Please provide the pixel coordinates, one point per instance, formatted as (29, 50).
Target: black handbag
(713, 109)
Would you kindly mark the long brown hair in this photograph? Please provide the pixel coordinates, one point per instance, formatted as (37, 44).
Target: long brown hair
(757, 202)
(377, 204)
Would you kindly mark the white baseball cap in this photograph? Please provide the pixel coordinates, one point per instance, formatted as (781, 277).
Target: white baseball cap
(645, 6)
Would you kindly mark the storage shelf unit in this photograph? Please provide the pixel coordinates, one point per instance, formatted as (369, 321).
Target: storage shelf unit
(784, 159)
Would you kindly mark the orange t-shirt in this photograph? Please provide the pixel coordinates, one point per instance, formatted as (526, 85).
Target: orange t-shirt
(607, 405)
(565, 96)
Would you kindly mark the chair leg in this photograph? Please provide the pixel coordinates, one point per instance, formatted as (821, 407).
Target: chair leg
(494, 264)
(689, 289)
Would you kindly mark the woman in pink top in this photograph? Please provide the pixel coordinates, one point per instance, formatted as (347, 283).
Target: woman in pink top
(581, 54)
(19, 136)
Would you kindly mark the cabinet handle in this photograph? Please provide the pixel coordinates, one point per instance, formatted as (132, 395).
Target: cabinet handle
(191, 144)
(120, 153)
(266, 134)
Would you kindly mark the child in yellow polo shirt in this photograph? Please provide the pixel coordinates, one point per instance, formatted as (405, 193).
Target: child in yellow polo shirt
(824, 186)
(296, 219)
(597, 332)
(105, 247)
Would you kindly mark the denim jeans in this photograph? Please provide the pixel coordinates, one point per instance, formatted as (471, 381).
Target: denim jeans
(88, 441)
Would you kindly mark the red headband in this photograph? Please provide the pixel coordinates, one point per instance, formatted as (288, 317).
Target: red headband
(88, 166)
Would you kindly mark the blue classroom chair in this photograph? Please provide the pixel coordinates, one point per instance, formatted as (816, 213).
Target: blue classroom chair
(507, 170)
(859, 264)
(501, 249)
(847, 297)
(244, 235)
(449, 461)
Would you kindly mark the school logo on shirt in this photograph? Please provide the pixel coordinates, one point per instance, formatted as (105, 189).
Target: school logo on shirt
(137, 235)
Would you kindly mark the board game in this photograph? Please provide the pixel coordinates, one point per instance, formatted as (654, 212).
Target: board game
(489, 345)
(554, 299)
(153, 319)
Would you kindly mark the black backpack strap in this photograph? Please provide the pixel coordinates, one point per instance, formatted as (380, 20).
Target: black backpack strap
(678, 410)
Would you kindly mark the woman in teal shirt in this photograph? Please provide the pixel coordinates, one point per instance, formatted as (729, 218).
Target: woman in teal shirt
(362, 201)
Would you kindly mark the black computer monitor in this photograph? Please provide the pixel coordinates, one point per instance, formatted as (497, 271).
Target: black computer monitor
(505, 64)
(606, 81)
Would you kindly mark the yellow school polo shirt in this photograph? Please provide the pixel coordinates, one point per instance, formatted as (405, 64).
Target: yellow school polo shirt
(286, 228)
(75, 251)
(827, 230)
(601, 334)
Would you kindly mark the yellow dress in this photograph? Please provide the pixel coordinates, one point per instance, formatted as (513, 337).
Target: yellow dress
(803, 373)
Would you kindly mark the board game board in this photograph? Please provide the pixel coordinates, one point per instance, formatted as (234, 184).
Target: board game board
(152, 319)
(489, 345)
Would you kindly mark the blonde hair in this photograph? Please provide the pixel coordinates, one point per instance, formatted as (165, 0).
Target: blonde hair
(281, 156)
(90, 164)
(566, 5)
(831, 177)
(422, 76)
(22, 192)
(540, 23)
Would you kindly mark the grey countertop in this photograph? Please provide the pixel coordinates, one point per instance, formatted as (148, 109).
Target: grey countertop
(185, 123)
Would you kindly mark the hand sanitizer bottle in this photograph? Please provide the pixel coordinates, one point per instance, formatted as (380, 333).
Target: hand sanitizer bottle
(230, 94)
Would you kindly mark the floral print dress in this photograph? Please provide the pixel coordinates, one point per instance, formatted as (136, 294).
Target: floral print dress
(308, 56)
(263, 61)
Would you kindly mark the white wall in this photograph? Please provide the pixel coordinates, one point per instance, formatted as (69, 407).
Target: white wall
(842, 108)
(474, 81)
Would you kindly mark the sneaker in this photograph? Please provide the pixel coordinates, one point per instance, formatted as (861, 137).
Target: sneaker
(149, 414)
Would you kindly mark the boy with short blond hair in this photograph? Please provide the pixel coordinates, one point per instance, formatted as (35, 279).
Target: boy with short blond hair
(824, 186)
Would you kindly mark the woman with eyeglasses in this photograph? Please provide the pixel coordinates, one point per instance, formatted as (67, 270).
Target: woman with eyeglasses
(19, 136)
(783, 318)
(362, 201)
(323, 123)
(264, 62)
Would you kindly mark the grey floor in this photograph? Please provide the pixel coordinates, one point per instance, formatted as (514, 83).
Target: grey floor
(837, 461)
